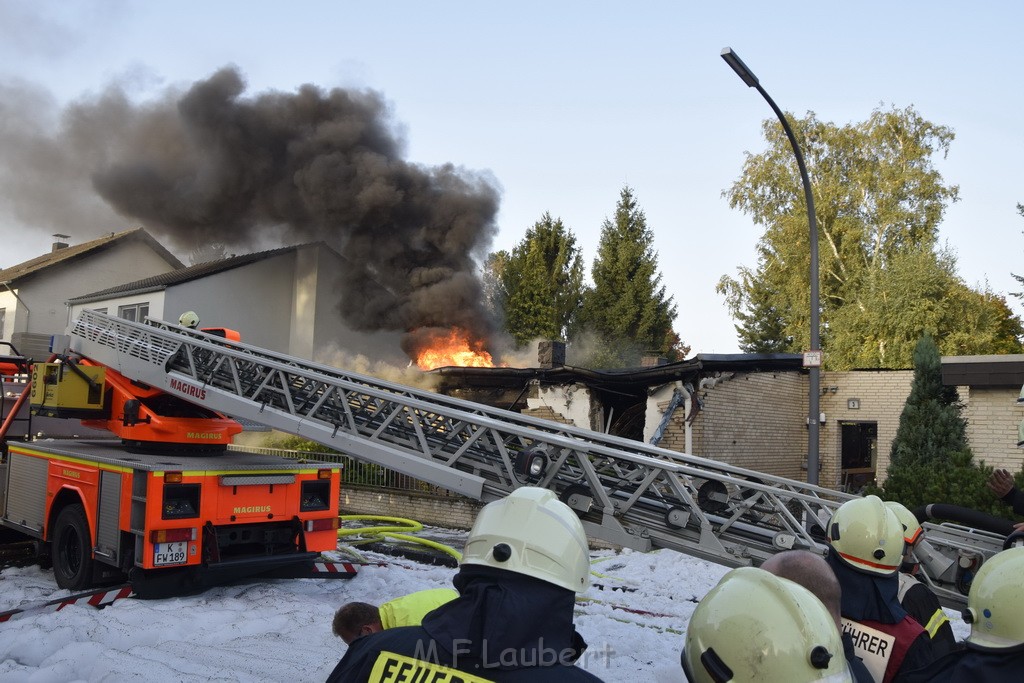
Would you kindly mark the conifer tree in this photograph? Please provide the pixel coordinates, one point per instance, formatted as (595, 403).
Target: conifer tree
(539, 286)
(627, 308)
(930, 460)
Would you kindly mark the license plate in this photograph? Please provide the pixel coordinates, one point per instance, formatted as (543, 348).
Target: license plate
(170, 553)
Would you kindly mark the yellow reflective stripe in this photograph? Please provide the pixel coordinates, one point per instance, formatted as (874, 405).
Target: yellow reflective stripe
(21, 450)
(935, 623)
(391, 667)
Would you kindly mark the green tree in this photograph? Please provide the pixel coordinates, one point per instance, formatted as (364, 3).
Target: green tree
(627, 308)
(930, 460)
(761, 316)
(539, 285)
(879, 200)
(490, 280)
(1019, 278)
(920, 291)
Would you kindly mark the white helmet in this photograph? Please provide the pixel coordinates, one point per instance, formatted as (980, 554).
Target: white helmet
(912, 531)
(996, 602)
(531, 532)
(867, 535)
(189, 319)
(755, 626)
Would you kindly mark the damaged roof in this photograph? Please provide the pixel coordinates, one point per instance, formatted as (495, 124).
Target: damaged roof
(701, 365)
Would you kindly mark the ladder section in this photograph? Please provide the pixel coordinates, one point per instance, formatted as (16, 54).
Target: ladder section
(626, 492)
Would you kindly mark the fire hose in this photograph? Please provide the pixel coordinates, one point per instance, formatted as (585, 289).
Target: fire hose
(401, 529)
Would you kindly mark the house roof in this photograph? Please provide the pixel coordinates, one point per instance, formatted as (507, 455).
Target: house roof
(77, 251)
(983, 371)
(629, 379)
(182, 275)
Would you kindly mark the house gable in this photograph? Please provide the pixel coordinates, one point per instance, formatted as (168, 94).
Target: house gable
(34, 294)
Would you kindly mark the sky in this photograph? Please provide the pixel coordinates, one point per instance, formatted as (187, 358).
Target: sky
(563, 104)
(633, 617)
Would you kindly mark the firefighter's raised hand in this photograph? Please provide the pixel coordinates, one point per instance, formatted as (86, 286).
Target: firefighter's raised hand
(1000, 482)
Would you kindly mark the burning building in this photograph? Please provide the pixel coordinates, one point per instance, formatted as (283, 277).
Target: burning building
(213, 164)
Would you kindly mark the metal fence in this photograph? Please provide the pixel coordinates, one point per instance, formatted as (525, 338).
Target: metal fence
(355, 472)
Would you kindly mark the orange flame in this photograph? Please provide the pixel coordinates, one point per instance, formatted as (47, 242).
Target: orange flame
(454, 348)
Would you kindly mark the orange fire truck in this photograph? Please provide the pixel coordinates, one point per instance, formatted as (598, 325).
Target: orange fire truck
(164, 505)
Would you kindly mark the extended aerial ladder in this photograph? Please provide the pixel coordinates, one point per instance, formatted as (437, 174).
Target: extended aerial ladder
(625, 492)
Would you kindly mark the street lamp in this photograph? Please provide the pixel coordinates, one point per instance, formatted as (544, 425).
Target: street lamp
(812, 359)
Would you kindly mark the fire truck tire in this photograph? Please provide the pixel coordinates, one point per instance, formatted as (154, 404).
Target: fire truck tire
(72, 549)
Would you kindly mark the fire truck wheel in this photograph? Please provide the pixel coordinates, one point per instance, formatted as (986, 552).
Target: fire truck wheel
(72, 549)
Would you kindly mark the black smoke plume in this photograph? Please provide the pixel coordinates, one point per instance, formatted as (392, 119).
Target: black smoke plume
(212, 165)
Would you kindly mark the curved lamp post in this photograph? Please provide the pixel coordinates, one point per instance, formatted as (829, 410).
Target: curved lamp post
(812, 359)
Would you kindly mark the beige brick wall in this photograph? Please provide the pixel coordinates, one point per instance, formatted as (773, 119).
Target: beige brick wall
(880, 395)
(547, 413)
(992, 416)
(758, 420)
(751, 420)
(450, 512)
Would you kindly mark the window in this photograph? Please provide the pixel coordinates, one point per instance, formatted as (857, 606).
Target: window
(134, 312)
(3, 319)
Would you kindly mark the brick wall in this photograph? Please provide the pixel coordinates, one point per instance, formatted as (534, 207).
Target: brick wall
(572, 404)
(879, 396)
(451, 512)
(751, 420)
(547, 413)
(758, 420)
(992, 417)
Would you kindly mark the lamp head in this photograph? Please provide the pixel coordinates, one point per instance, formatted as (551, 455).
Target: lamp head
(741, 69)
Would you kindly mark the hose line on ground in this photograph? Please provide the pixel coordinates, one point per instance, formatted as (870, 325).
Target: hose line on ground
(400, 529)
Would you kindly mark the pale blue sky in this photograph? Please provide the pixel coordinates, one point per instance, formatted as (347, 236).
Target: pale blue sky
(565, 102)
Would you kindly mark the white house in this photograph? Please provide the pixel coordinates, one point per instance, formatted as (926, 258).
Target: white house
(33, 293)
(285, 300)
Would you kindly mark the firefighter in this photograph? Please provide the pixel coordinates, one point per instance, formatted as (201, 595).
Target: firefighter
(357, 619)
(994, 651)
(811, 571)
(189, 319)
(866, 550)
(915, 597)
(755, 626)
(525, 559)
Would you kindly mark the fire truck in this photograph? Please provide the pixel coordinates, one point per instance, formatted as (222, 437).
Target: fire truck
(164, 504)
(155, 506)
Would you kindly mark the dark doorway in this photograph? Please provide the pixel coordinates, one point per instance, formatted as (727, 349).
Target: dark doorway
(859, 451)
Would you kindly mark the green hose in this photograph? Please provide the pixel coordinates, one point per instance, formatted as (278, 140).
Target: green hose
(398, 532)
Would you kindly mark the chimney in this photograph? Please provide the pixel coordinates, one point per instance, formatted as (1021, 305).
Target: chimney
(653, 361)
(551, 354)
(59, 243)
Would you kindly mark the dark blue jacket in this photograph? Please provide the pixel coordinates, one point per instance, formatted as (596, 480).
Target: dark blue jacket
(503, 627)
(972, 665)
